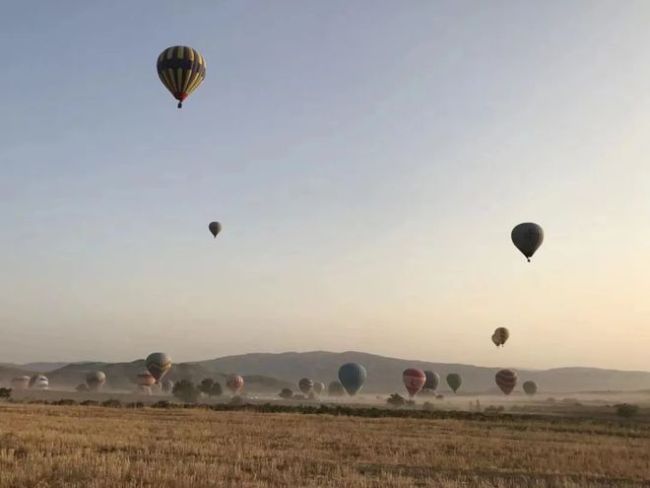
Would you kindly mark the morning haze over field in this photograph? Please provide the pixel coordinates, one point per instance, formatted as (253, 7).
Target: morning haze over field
(367, 161)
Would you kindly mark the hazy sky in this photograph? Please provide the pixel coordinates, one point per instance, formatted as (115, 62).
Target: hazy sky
(367, 159)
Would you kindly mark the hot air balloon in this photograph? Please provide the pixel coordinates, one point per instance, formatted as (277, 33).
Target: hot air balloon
(95, 380)
(39, 382)
(527, 237)
(506, 380)
(318, 387)
(181, 69)
(500, 336)
(433, 379)
(158, 363)
(454, 381)
(215, 228)
(20, 382)
(414, 380)
(235, 383)
(530, 387)
(335, 389)
(305, 385)
(352, 377)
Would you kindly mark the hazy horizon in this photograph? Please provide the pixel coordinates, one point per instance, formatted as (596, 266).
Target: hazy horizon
(367, 161)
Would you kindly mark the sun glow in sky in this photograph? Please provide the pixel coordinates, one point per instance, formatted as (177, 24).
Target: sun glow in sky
(367, 161)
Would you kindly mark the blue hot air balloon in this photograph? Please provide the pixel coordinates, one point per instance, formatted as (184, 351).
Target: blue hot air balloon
(352, 377)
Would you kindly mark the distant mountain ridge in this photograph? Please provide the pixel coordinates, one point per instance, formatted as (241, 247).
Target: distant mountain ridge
(269, 372)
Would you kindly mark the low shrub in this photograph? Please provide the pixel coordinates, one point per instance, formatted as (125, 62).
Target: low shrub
(112, 403)
(626, 410)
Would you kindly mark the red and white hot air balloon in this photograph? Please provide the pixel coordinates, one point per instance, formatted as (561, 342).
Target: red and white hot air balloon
(235, 383)
(414, 380)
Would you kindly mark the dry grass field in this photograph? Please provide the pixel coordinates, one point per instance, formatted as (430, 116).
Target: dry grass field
(71, 446)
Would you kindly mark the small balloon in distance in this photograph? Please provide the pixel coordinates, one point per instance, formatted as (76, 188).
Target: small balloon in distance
(215, 228)
(527, 237)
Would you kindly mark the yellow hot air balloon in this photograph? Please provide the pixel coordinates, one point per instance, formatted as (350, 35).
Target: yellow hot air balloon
(181, 69)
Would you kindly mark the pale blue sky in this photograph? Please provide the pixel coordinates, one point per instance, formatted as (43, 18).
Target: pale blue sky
(367, 160)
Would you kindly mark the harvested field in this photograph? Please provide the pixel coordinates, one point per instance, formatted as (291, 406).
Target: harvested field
(74, 446)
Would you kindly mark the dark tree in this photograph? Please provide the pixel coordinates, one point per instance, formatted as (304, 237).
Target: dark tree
(185, 391)
(286, 393)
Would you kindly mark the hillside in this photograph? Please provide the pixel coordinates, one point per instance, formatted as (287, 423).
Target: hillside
(268, 373)
(384, 373)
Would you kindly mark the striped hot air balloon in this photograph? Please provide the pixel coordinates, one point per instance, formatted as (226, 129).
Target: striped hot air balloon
(306, 385)
(414, 379)
(500, 336)
(181, 69)
(158, 363)
(506, 380)
(235, 383)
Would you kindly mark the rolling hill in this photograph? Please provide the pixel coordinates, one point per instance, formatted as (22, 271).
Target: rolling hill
(268, 373)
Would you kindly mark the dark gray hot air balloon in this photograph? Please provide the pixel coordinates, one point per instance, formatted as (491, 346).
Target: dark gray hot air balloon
(527, 237)
(454, 381)
(500, 336)
(506, 380)
(306, 385)
(530, 387)
(95, 380)
(215, 228)
(433, 380)
(352, 377)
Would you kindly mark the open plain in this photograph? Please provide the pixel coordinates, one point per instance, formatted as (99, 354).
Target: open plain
(92, 446)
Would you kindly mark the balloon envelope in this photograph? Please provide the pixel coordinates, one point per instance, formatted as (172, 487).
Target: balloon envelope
(158, 363)
(305, 385)
(181, 69)
(414, 380)
(500, 336)
(352, 377)
(433, 380)
(506, 380)
(39, 382)
(527, 237)
(530, 387)
(454, 381)
(95, 380)
(215, 228)
(318, 387)
(235, 383)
